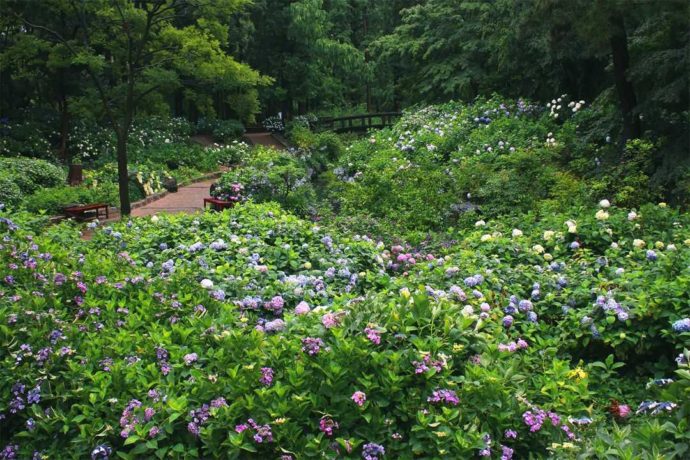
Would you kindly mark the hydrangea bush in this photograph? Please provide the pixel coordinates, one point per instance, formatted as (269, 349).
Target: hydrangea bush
(253, 333)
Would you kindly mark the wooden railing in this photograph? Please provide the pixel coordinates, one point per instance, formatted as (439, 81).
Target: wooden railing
(357, 123)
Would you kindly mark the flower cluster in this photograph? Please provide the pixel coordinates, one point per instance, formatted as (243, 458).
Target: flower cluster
(262, 433)
(359, 398)
(327, 426)
(655, 407)
(372, 451)
(373, 334)
(427, 364)
(132, 416)
(201, 415)
(266, 378)
(512, 347)
(682, 325)
(448, 397)
(312, 345)
(228, 192)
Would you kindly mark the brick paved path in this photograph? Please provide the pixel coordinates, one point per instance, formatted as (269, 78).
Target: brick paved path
(189, 199)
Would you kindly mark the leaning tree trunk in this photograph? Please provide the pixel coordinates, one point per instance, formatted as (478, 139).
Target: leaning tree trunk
(122, 173)
(625, 89)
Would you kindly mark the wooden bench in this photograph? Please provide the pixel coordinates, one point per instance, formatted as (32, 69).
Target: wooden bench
(88, 211)
(218, 205)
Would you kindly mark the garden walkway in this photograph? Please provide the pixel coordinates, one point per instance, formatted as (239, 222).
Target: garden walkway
(189, 199)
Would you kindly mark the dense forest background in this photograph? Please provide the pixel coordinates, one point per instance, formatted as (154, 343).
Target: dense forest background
(249, 60)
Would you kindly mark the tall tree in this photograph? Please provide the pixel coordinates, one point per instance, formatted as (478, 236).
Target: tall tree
(37, 71)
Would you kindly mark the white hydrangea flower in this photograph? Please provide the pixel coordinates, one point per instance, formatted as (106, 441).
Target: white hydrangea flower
(572, 226)
(602, 215)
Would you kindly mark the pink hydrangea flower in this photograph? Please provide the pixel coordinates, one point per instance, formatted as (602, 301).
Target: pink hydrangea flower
(329, 320)
(302, 308)
(359, 397)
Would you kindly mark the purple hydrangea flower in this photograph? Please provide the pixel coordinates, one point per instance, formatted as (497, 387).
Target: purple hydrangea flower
(372, 451)
(448, 397)
(327, 425)
(312, 345)
(266, 376)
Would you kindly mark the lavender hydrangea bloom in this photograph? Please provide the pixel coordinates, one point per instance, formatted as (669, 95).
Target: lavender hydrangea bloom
(525, 305)
(448, 397)
(372, 451)
(276, 325)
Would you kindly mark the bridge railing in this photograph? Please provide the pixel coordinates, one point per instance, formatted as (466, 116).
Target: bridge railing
(357, 123)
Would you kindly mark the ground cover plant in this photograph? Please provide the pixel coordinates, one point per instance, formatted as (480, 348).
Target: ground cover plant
(261, 334)
(502, 272)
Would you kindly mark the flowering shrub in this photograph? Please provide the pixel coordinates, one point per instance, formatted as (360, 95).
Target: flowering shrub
(273, 124)
(158, 334)
(441, 165)
(270, 175)
(228, 191)
(561, 331)
(26, 138)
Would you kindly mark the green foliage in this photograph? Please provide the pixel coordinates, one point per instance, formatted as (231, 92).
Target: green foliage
(26, 138)
(319, 149)
(31, 174)
(629, 176)
(53, 199)
(270, 175)
(228, 130)
(198, 307)
(10, 193)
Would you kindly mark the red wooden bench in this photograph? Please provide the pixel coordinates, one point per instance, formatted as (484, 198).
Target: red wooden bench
(88, 211)
(218, 205)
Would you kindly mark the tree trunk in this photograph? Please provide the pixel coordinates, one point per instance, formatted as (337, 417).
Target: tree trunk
(64, 130)
(122, 173)
(626, 92)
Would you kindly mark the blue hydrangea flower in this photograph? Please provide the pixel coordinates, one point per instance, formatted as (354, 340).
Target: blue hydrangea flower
(682, 325)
